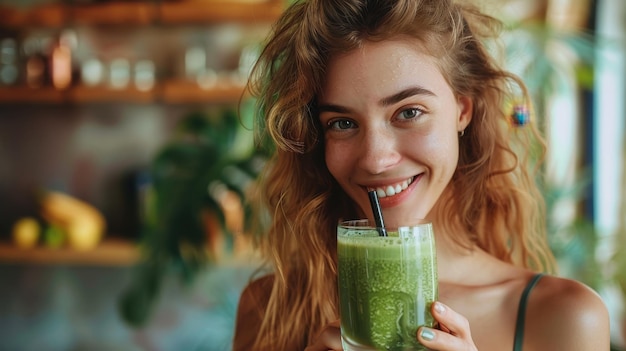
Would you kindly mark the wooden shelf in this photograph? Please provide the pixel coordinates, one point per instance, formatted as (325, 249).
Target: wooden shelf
(51, 15)
(180, 92)
(171, 92)
(85, 94)
(22, 94)
(219, 11)
(113, 13)
(139, 13)
(142, 13)
(110, 252)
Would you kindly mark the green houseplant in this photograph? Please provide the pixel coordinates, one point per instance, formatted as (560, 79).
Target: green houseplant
(211, 152)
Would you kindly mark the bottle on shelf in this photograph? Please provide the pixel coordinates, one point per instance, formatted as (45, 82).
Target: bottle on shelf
(119, 73)
(61, 69)
(92, 72)
(144, 75)
(36, 67)
(9, 73)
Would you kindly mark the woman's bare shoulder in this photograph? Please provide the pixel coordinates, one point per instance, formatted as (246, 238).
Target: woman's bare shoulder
(261, 286)
(565, 314)
(252, 305)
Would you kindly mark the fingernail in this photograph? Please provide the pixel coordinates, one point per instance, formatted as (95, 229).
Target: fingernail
(440, 308)
(427, 334)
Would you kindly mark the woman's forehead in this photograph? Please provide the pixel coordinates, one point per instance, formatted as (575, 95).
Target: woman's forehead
(378, 69)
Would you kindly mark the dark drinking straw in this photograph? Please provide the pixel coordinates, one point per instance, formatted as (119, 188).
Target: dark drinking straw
(378, 215)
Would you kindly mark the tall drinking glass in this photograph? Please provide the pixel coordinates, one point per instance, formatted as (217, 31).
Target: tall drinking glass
(387, 284)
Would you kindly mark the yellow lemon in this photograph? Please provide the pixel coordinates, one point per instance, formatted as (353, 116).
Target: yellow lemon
(26, 232)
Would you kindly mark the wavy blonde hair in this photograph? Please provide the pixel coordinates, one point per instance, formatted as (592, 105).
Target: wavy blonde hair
(501, 206)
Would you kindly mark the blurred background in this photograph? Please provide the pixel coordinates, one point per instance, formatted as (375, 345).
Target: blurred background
(126, 157)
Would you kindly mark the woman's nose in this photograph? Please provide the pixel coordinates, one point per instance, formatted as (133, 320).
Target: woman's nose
(378, 150)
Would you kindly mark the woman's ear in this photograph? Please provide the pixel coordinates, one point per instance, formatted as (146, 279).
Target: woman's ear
(466, 110)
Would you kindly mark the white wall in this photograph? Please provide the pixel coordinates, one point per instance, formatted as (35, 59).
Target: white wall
(609, 127)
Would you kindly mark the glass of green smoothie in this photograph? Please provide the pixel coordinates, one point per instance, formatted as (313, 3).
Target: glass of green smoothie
(386, 284)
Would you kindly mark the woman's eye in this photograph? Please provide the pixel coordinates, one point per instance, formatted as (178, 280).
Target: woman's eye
(410, 113)
(341, 124)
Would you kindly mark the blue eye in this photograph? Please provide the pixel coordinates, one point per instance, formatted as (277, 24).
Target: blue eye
(341, 124)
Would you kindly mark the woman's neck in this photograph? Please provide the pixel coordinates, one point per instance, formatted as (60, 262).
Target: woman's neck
(458, 256)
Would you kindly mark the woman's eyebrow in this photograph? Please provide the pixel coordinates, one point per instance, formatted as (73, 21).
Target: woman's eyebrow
(389, 100)
(408, 92)
(332, 108)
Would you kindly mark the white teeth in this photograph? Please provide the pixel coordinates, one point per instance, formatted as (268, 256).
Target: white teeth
(392, 190)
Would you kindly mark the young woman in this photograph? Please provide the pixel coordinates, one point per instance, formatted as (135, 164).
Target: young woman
(402, 96)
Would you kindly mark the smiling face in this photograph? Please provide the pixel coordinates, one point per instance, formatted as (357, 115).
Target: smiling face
(391, 123)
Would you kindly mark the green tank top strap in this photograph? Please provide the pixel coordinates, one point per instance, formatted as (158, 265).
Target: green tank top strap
(521, 313)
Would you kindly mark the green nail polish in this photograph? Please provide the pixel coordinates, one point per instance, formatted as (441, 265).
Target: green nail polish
(427, 334)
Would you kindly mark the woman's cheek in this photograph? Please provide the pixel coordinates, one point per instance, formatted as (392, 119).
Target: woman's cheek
(335, 156)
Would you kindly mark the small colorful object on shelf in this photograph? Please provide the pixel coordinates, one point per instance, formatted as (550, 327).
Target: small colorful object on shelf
(520, 116)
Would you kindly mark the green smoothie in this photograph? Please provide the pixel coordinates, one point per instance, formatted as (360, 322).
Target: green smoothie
(386, 287)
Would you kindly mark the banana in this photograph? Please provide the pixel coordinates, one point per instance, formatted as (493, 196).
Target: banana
(83, 223)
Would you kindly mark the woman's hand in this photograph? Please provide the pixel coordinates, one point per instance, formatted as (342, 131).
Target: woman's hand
(454, 333)
(328, 339)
